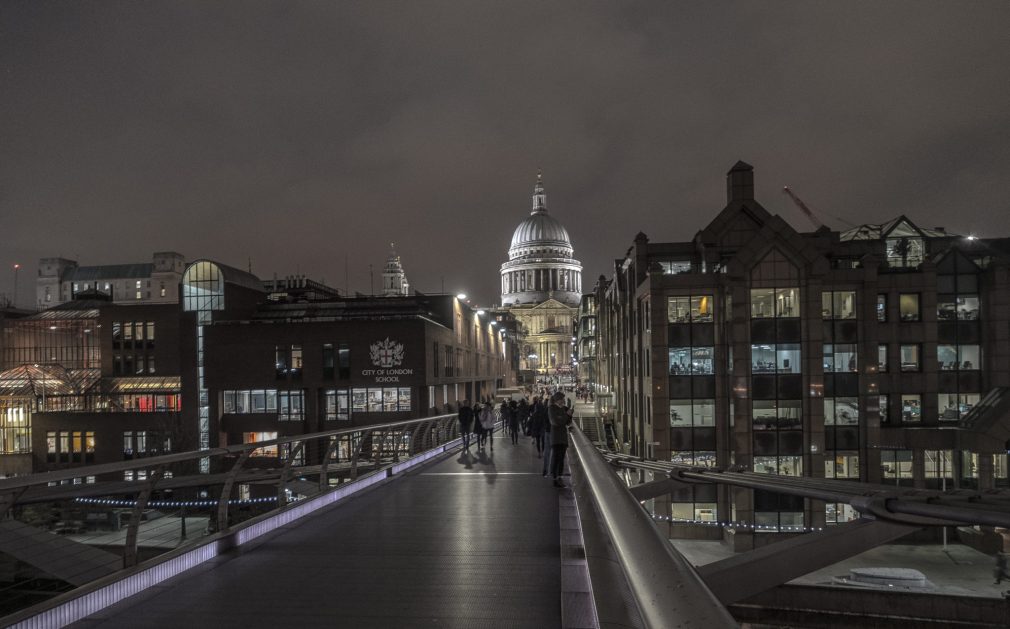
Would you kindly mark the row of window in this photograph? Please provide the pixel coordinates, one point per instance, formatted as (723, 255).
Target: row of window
(838, 358)
(835, 305)
(289, 360)
(132, 331)
(147, 403)
(132, 364)
(337, 403)
(66, 446)
(289, 405)
(146, 443)
(838, 411)
(894, 464)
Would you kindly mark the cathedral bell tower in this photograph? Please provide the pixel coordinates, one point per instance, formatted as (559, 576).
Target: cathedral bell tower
(394, 280)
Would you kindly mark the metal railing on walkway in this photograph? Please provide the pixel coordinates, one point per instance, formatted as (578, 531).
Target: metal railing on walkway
(667, 590)
(82, 538)
(886, 502)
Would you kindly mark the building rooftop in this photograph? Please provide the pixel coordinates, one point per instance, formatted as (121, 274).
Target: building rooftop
(108, 272)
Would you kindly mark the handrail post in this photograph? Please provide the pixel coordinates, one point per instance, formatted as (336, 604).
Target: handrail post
(293, 452)
(324, 466)
(356, 453)
(133, 530)
(222, 501)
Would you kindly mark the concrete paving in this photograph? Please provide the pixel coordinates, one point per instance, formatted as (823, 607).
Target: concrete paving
(472, 541)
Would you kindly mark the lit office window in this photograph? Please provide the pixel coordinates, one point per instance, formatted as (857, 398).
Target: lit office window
(775, 358)
(908, 306)
(896, 464)
(691, 361)
(838, 304)
(774, 302)
(954, 406)
(842, 465)
(841, 411)
(688, 413)
(840, 358)
(958, 357)
(910, 357)
(911, 408)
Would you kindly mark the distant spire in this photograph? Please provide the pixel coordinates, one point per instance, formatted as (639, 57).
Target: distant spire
(539, 198)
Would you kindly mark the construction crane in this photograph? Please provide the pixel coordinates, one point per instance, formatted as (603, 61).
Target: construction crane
(803, 207)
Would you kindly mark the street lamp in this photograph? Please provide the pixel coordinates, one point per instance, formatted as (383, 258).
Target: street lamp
(461, 296)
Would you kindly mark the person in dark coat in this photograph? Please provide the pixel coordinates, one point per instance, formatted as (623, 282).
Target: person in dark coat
(538, 425)
(505, 412)
(513, 420)
(465, 423)
(487, 420)
(560, 417)
(478, 428)
(524, 416)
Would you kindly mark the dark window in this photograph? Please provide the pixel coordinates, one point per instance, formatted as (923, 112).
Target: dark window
(328, 360)
(344, 357)
(281, 361)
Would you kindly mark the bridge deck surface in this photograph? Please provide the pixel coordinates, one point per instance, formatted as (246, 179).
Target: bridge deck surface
(469, 542)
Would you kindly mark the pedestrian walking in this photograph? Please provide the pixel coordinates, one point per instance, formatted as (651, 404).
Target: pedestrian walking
(505, 412)
(538, 424)
(560, 418)
(513, 421)
(487, 424)
(524, 416)
(478, 427)
(465, 423)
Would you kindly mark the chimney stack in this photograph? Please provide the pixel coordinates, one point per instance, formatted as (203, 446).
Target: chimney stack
(740, 183)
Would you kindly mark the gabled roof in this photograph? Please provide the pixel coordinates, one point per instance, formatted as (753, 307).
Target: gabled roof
(39, 380)
(883, 230)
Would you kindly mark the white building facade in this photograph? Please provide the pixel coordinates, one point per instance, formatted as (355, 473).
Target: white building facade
(541, 285)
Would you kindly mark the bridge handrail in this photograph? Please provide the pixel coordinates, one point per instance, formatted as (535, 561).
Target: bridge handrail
(15, 483)
(666, 588)
(955, 506)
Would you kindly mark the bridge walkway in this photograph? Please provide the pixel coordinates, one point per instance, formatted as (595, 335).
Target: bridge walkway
(471, 541)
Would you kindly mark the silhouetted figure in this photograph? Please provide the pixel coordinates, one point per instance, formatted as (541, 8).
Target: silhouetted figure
(560, 417)
(465, 422)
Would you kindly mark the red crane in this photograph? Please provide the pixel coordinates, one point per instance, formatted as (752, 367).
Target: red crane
(803, 207)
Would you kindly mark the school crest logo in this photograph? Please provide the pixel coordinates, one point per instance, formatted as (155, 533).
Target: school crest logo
(387, 353)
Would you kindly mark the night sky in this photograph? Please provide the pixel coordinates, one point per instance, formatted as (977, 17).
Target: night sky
(301, 134)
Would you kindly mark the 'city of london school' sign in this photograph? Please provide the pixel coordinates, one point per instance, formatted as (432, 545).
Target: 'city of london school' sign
(386, 356)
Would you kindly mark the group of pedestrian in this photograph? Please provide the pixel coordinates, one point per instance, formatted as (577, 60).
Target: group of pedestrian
(545, 420)
(479, 420)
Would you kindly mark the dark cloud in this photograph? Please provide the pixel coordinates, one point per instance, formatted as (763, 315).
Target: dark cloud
(298, 134)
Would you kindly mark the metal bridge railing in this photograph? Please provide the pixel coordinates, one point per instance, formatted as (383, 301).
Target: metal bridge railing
(666, 588)
(84, 527)
(885, 502)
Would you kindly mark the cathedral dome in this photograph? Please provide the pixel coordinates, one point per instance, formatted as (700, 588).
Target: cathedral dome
(540, 264)
(540, 233)
(540, 229)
